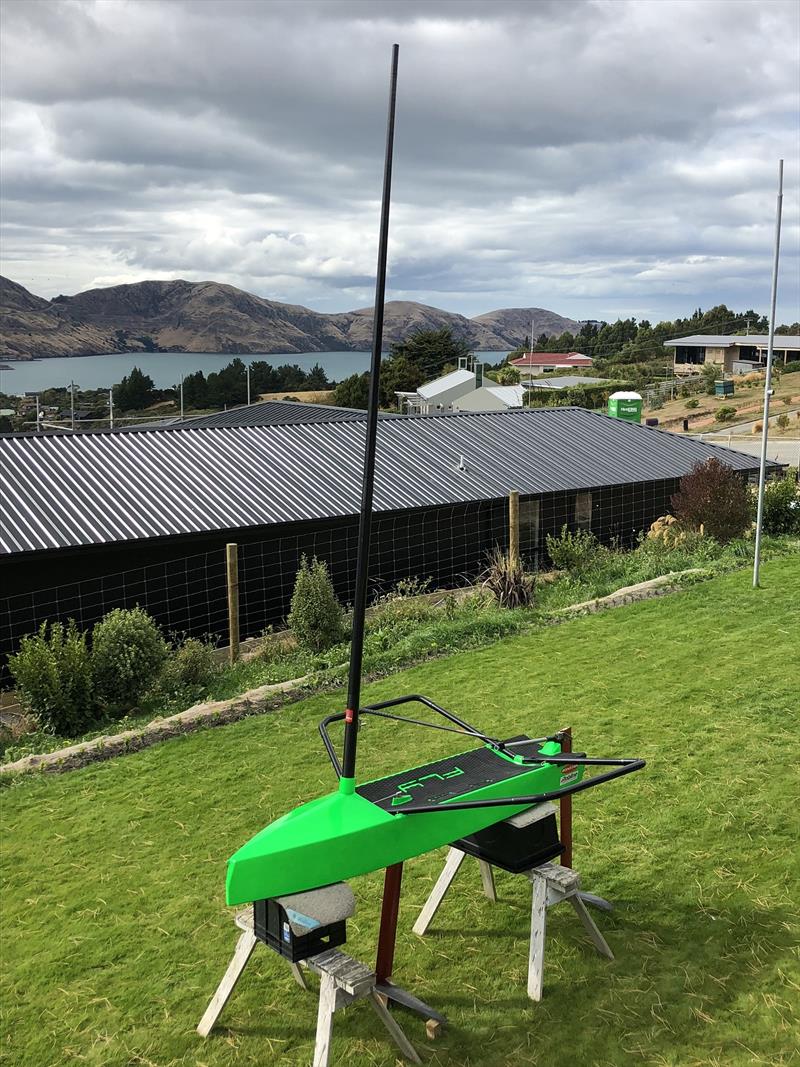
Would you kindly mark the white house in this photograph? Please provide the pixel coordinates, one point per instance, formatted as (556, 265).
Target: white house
(440, 395)
(491, 398)
(731, 353)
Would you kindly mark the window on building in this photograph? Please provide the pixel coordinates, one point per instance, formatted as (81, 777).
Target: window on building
(750, 353)
(687, 354)
(583, 510)
(529, 525)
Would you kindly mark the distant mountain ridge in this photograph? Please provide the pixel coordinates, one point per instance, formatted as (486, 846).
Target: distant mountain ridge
(182, 316)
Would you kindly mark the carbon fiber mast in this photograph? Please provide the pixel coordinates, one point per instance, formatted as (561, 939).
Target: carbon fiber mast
(347, 781)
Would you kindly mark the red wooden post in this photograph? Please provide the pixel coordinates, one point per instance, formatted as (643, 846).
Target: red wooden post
(566, 806)
(390, 909)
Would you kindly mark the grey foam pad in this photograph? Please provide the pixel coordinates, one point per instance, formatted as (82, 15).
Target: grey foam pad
(320, 906)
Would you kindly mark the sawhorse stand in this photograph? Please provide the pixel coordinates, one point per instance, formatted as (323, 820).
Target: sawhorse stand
(343, 980)
(551, 885)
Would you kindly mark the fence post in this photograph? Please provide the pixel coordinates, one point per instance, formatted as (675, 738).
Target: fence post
(513, 525)
(232, 561)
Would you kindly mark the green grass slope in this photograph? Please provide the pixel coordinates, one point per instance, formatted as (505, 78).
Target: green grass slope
(114, 932)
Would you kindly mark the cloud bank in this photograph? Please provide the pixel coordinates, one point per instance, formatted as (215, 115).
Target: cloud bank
(599, 158)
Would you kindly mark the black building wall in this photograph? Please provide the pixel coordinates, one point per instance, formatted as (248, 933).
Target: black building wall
(181, 580)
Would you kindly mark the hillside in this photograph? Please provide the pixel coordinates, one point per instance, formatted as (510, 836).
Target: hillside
(214, 317)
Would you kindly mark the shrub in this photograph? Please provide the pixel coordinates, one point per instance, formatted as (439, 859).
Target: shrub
(54, 676)
(709, 373)
(713, 497)
(725, 414)
(128, 653)
(508, 581)
(791, 368)
(782, 422)
(572, 551)
(782, 506)
(693, 403)
(190, 665)
(316, 616)
(669, 531)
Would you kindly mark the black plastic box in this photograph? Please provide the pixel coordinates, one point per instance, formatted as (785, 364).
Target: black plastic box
(512, 848)
(271, 925)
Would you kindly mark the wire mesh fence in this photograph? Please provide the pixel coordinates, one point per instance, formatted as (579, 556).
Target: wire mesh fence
(442, 547)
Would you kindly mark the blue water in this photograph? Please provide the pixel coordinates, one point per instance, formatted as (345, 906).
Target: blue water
(165, 368)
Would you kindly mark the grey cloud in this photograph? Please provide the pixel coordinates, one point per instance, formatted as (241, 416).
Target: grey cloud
(591, 150)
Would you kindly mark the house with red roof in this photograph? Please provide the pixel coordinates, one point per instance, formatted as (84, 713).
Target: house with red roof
(534, 363)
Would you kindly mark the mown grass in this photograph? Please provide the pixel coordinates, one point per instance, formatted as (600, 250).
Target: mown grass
(114, 930)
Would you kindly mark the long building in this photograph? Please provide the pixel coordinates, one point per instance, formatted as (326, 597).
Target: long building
(97, 520)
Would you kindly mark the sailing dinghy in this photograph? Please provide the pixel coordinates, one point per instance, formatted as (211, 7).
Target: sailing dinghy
(363, 828)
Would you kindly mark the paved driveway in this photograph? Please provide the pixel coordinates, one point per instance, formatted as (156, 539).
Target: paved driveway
(781, 449)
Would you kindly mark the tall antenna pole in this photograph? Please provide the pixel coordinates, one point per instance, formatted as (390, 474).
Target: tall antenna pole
(72, 404)
(248, 385)
(111, 409)
(181, 399)
(38, 416)
(347, 782)
(762, 471)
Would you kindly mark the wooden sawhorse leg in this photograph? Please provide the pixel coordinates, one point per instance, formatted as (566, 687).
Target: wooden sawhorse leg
(455, 857)
(244, 950)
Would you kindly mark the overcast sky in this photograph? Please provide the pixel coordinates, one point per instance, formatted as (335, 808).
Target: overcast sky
(601, 159)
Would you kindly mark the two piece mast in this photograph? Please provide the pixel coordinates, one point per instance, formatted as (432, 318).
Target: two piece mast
(347, 781)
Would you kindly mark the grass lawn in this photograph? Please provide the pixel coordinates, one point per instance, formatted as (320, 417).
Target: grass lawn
(114, 931)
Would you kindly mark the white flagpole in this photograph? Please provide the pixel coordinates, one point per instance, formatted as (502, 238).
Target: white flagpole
(762, 473)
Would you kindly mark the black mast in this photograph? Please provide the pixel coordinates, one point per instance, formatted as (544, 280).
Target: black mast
(347, 783)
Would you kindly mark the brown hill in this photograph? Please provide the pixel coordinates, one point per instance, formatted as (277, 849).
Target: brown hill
(213, 317)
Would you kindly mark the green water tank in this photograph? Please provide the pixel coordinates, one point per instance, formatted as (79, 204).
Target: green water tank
(626, 406)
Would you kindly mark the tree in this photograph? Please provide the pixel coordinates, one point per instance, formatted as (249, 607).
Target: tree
(508, 375)
(399, 374)
(352, 392)
(713, 496)
(316, 378)
(134, 392)
(430, 350)
(195, 390)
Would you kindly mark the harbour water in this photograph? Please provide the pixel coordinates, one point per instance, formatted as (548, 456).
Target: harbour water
(165, 368)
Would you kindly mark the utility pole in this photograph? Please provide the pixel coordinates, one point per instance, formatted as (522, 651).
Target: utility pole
(248, 385)
(38, 416)
(111, 409)
(181, 399)
(762, 472)
(72, 404)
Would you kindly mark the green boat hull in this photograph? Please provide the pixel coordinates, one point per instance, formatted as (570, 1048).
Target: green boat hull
(342, 835)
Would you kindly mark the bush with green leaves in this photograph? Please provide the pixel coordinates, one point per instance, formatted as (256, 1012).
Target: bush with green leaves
(128, 654)
(782, 505)
(714, 499)
(725, 414)
(53, 675)
(709, 373)
(791, 368)
(693, 403)
(573, 552)
(508, 581)
(316, 617)
(189, 666)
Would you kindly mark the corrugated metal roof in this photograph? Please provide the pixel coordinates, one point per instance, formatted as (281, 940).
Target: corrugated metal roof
(86, 489)
(754, 340)
(266, 413)
(448, 381)
(564, 381)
